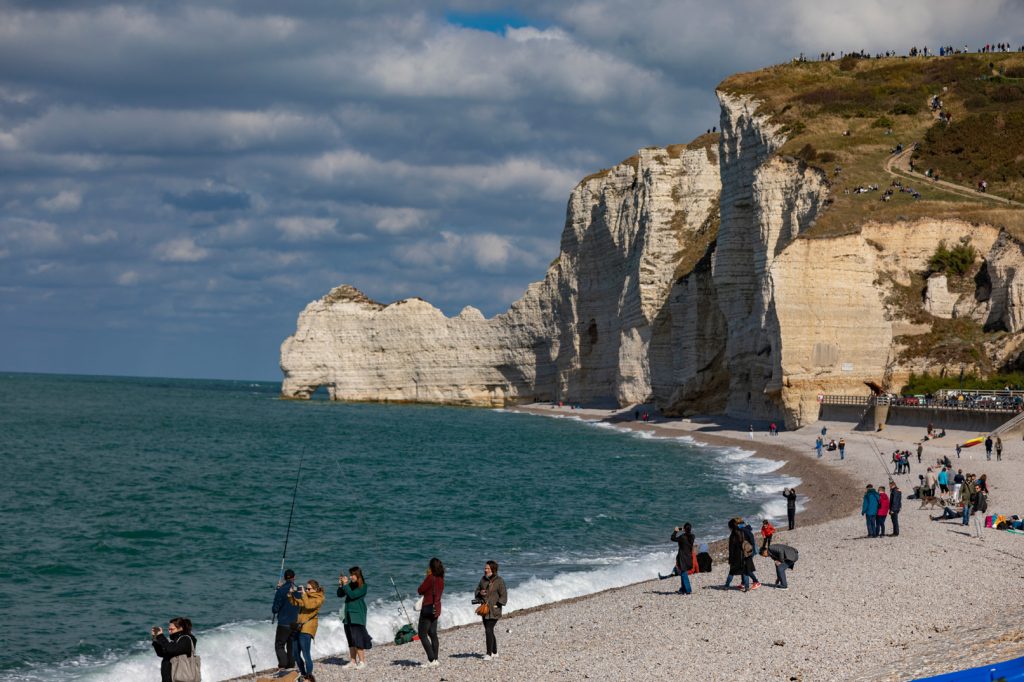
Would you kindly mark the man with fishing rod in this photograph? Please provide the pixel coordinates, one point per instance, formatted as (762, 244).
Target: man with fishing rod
(286, 613)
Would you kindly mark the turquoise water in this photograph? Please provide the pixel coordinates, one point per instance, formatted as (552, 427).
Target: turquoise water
(130, 501)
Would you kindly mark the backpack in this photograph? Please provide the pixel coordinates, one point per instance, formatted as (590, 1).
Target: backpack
(748, 549)
(405, 634)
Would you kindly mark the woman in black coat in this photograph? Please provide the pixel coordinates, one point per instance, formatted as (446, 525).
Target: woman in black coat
(179, 640)
(684, 558)
(737, 562)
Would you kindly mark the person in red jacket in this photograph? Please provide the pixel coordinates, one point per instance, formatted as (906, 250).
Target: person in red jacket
(883, 510)
(767, 531)
(431, 589)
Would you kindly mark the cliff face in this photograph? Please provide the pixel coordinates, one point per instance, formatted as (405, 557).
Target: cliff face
(597, 328)
(692, 277)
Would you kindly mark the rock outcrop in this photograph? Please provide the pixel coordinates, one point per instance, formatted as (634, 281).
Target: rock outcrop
(597, 328)
(689, 276)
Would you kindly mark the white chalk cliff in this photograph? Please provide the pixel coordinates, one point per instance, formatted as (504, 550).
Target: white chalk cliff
(685, 277)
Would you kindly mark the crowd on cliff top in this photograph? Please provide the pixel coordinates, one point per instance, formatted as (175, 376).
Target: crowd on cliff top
(944, 51)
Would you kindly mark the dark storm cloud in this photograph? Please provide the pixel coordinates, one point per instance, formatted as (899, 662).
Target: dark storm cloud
(181, 178)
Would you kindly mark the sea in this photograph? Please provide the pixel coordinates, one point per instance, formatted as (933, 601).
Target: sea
(130, 501)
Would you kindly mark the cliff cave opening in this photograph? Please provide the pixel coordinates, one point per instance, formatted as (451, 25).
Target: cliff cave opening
(591, 337)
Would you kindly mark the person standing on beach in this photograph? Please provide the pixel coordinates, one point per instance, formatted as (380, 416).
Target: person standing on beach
(751, 432)
(842, 448)
(492, 593)
(920, 449)
(353, 590)
(967, 495)
(944, 481)
(309, 601)
(737, 562)
(685, 557)
(431, 590)
(286, 614)
(883, 511)
(784, 557)
(895, 506)
(790, 495)
(869, 510)
(988, 447)
(929, 481)
(767, 531)
(749, 547)
(958, 448)
(179, 641)
(999, 449)
(819, 442)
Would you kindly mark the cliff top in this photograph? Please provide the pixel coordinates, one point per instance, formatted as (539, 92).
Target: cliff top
(848, 117)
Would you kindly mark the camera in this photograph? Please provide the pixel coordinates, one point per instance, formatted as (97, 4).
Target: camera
(477, 601)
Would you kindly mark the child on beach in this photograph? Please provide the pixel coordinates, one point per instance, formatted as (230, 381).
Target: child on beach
(767, 531)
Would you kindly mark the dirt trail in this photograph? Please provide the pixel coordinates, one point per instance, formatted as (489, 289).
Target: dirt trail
(898, 165)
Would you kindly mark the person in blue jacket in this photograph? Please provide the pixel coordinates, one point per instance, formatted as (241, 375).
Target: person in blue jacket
(286, 614)
(869, 510)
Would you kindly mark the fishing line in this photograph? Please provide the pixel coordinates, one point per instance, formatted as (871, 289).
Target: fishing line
(291, 514)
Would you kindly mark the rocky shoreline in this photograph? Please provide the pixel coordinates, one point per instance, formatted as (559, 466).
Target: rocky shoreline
(932, 600)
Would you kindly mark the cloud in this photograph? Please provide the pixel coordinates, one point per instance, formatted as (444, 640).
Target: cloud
(399, 219)
(181, 250)
(103, 237)
(128, 278)
(486, 251)
(209, 200)
(65, 201)
(303, 228)
(31, 235)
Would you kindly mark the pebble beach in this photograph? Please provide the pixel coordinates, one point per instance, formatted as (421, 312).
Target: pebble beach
(937, 598)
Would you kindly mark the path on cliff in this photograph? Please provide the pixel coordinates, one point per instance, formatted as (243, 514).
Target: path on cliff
(898, 165)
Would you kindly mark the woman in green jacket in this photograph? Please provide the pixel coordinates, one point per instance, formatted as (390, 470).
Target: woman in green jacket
(492, 594)
(353, 589)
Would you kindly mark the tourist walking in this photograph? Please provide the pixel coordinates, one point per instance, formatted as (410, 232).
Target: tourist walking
(842, 448)
(784, 557)
(179, 641)
(309, 601)
(895, 506)
(685, 557)
(920, 449)
(988, 447)
(431, 590)
(737, 557)
(353, 589)
(286, 613)
(790, 495)
(883, 510)
(999, 449)
(492, 595)
(819, 442)
(869, 510)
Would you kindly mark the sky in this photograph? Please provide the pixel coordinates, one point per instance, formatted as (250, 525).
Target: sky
(179, 179)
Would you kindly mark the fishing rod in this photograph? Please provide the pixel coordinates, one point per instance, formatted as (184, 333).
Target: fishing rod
(291, 514)
(400, 600)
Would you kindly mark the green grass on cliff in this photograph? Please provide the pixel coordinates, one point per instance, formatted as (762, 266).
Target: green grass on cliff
(850, 113)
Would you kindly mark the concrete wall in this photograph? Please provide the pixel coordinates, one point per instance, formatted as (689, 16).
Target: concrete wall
(842, 413)
(945, 418)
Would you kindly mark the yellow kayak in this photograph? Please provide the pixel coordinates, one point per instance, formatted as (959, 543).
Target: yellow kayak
(972, 442)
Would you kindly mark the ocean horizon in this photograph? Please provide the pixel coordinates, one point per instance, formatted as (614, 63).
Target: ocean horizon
(148, 498)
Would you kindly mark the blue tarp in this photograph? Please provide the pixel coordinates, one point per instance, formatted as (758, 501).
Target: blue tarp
(1007, 671)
